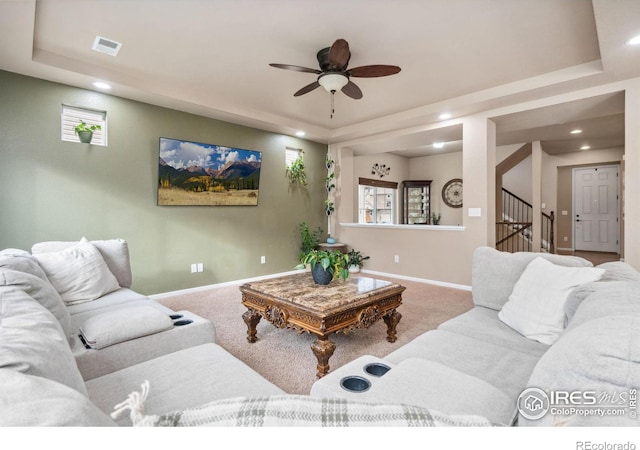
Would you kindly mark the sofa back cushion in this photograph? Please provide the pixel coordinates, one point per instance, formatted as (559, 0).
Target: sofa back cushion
(32, 340)
(617, 298)
(494, 273)
(21, 261)
(30, 401)
(602, 356)
(40, 290)
(115, 253)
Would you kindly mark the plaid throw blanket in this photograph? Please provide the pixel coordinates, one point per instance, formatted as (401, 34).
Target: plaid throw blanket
(293, 410)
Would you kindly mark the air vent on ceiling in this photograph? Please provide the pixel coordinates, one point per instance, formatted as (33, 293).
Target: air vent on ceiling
(108, 46)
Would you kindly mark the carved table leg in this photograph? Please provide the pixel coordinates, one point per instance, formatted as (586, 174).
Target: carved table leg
(392, 319)
(323, 349)
(251, 318)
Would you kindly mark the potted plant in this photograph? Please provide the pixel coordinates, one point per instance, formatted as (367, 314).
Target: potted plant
(296, 172)
(326, 264)
(309, 240)
(355, 261)
(85, 132)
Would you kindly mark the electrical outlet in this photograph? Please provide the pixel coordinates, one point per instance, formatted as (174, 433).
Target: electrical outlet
(263, 259)
(396, 258)
(194, 268)
(565, 239)
(200, 267)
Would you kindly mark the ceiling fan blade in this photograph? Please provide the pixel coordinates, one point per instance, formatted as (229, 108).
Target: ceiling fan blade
(308, 88)
(296, 68)
(339, 55)
(376, 70)
(352, 90)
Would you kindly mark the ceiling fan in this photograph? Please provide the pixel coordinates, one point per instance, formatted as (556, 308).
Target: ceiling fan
(334, 75)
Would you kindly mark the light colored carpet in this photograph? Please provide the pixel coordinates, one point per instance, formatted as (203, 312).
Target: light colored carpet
(285, 358)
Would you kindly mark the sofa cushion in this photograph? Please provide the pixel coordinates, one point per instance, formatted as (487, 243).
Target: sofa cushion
(619, 298)
(601, 356)
(32, 340)
(428, 384)
(78, 273)
(117, 298)
(614, 271)
(504, 368)
(40, 290)
(123, 324)
(483, 325)
(495, 273)
(180, 380)
(114, 251)
(536, 307)
(32, 401)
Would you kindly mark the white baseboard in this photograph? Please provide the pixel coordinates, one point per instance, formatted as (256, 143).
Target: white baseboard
(282, 274)
(219, 285)
(564, 249)
(463, 287)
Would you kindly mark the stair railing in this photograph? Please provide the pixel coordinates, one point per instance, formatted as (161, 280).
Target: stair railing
(514, 231)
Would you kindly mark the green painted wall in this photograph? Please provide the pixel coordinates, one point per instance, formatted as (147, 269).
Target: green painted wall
(55, 190)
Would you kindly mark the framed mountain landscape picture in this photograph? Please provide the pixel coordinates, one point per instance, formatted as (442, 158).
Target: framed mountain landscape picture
(197, 174)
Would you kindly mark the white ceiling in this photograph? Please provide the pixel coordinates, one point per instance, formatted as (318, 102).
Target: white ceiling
(460, 56)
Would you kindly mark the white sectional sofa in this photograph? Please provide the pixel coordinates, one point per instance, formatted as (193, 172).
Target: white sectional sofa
(477, 364)
(472, 370)
(49, 377)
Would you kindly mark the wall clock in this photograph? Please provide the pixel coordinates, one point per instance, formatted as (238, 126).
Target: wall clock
(452, 193)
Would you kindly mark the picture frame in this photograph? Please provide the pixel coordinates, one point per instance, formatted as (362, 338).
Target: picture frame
(198, 174)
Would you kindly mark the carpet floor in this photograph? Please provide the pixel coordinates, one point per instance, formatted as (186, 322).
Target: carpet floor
(285, 358)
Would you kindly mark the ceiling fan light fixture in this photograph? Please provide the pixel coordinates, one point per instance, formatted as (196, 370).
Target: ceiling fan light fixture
(333, 82)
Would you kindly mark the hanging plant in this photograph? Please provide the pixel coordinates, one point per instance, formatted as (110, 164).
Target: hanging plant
(296, 172)
(328, 182)
(328, 206)
(329, 163)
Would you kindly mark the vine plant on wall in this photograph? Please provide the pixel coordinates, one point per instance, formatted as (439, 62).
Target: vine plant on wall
(330, 186)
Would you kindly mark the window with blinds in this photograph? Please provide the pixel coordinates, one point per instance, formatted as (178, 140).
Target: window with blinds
(377, 201)
(72, 116)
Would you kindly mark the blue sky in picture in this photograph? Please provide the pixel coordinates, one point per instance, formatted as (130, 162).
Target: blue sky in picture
(182, 154)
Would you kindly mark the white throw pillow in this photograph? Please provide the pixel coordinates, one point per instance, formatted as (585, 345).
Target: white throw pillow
(78, 273)
(535, 308)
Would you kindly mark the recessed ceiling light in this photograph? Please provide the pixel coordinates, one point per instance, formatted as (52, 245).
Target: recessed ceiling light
(300, 133)
(634, 40)
(101, 85)
(438, 144)
(444, 116)
(576, 131)
(585, 147)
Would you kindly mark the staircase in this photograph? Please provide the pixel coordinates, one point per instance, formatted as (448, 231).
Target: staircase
(514, 231)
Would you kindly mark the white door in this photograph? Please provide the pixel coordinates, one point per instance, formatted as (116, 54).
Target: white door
(595, 206)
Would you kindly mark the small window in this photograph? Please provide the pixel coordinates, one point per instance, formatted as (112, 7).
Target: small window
(377, 201)
(291, 154)
(72, 116)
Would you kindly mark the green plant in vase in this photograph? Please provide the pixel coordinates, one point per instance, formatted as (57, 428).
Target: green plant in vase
(85, 132)
(325, 265)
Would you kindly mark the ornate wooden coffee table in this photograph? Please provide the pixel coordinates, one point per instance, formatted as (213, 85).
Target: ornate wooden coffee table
(296, 302)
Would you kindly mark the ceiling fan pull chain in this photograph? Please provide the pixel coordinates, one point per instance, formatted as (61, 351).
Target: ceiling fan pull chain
(332, 108)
